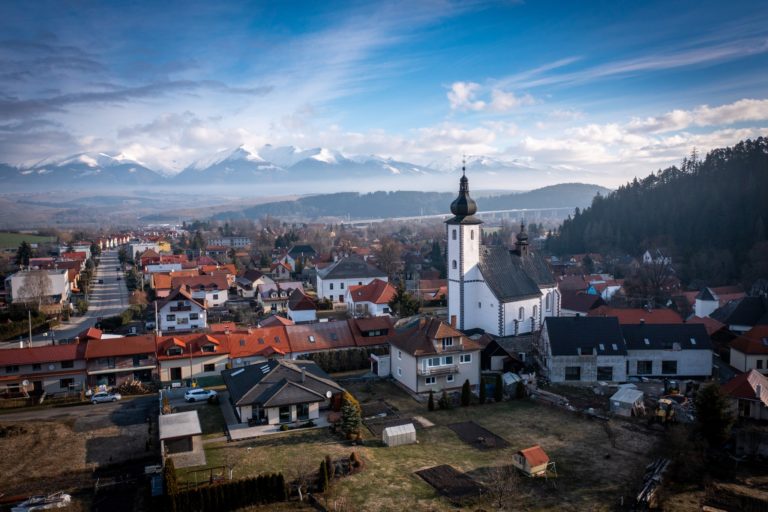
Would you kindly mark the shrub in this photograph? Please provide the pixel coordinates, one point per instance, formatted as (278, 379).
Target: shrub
(444, 402)
(284, 427)
(520, 391)
(483, 392)
(498, 392)
(322, 477)
(466, 394)
(431, 401)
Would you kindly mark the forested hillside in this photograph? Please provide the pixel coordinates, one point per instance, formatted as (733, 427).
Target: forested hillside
(709, 214)
(405, 204)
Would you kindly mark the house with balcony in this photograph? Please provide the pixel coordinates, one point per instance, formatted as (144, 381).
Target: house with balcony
(114, 361)
(428, 354)
(279, 392)
(274, 297)
(181, 312)
(51, 288)
(211, 290)
(50, 369)
(184, 357)
(370, 299)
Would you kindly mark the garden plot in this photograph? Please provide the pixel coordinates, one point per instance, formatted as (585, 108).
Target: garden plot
(477, 436)
(451, 483)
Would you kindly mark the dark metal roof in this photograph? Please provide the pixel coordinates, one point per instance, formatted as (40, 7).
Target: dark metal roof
(507, 274)
(706, 294)
(302, 250)
(350, 268)
(593, 335)
(579, 301)
(464, 207)
(749, 311)
(666, 337)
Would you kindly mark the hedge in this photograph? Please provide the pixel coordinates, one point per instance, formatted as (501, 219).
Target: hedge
(231, 495)
(344, 360)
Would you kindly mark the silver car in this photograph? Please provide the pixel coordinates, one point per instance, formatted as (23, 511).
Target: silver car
(103, 396)
(199, 394)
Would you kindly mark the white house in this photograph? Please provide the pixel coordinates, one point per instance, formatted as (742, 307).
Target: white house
(370, 299)
(301, 308)
(30, 285)
(181, 312)
(210, 290)
(706, 303)
(432, 355)
(749, 395)
(191, 356)
(238, 242)
(280, 271)
(656, 256)
(334, 280)
(667, 350)
(750, 350)
(274, 297)
(504, 292)
(248, 283)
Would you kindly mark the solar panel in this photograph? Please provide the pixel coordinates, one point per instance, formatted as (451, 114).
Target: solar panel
(265, 369)
(237, 372)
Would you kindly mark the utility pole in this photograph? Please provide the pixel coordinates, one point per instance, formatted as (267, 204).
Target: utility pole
(29, 315)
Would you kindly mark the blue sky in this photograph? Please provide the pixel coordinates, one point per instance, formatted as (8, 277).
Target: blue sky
(598, 91)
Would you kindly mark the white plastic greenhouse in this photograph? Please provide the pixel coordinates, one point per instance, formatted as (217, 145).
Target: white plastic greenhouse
(399, 435)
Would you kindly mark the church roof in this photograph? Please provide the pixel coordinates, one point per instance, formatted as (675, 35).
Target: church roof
(464, 207)
(511, 276)
(706, 294)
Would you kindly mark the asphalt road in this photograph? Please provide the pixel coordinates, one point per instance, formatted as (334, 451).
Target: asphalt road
(130, 411)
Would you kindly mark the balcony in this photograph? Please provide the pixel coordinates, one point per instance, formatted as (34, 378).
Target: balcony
(445, 369)
(176, 309)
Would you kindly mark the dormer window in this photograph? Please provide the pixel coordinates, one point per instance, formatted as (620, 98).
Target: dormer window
(174, 351)
(180, 303)
(311, 338)
(447, 342)
(201, 288)
(209, 348)
(261, 341)
(277, 339)
(242, 342)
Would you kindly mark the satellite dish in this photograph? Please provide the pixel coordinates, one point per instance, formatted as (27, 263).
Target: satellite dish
(25, 383)
(238, 360)
(51, 366)
(328, 394)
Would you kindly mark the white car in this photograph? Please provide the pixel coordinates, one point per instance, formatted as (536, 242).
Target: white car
(105, 397)
(196, 395)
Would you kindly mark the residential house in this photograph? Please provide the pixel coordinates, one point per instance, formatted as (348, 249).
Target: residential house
(743, 314)
(750, 350)
(578, 303)
(280, 271)
(249, 281)
(582, 349)
(179, 311)
(639, 315)
(506, 353)
(183, 357)
(372, 332)
(308, 338)
(749, 395)
(704, 302)
(301, 308)
(257, 345)
(656, 256)
(274, 297)
(213, 291)
(667, 350)
(275, 320)
(238, 242)
(334, 280)
(302, 252)
(50, 287)
(428, 354)
(504, 292)
(113, 362)
(370, 299)
(280, 392)
(50, 369)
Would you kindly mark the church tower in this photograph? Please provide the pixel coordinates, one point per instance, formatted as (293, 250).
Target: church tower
(463, 234)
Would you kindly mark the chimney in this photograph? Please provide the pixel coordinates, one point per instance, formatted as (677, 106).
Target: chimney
(758, 391)
(453, 321)
(303, 375)
(642, 321)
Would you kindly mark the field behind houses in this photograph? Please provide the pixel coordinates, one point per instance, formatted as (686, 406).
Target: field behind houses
(597, 463)
(13, 240)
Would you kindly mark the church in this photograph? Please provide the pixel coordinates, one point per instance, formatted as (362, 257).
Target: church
(504, 292)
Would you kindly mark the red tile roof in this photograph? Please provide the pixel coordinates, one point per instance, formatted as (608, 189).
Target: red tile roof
(744, 386)
(223, 326)
(91, 333)
(535, 456)
(192, 344)
(320, 336)
(39, 355)
(274, 320)
(710, 324)
(257, 341)
(377, 323)
(639, 315)
(121, 346)
(376, 292)
(194, 283)
(421, 339)
(754, 341)
(79, 256)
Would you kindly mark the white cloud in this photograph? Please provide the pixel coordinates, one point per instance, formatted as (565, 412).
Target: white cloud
(462, 96)
(743, 110)
(465, 96)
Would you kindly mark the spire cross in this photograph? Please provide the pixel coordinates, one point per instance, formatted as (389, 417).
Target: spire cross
(463, 165)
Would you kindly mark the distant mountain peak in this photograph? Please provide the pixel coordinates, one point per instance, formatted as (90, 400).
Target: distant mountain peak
(227, 155)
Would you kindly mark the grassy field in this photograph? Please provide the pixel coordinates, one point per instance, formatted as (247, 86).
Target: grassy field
(13, 240)
(596, 463)
(211, 419)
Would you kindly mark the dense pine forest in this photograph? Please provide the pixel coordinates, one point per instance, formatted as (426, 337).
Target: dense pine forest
(709, 215)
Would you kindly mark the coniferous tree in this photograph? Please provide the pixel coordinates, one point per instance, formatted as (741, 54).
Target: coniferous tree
(431, 401)
(483, 392)
(498, 391)
(713, 415)
(23, 254)
(466, 393)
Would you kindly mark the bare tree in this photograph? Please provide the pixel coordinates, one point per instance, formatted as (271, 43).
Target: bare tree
(302, 473)
(36, 288)
(503, 487)
(388, 257)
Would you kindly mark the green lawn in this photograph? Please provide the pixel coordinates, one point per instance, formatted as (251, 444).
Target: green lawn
(211, 419)
(13, 240)
(592, 473)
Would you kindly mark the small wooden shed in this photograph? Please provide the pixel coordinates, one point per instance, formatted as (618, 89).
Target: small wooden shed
(532, 461)
(399, 435)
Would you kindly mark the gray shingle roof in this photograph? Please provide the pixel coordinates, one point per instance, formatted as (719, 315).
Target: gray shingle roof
(706, 294)
(593, 335)
(507, 275)
(666, 337)
(350, 268)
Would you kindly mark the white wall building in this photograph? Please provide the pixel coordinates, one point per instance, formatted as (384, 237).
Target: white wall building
(237, 242)
(21, 290)
(181, 312)
(334, 281)
(490, 287)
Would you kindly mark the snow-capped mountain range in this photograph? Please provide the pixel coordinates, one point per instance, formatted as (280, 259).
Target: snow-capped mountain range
(269, 164)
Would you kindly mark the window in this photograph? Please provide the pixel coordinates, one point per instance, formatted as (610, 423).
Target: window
(479, 305)
(215, 296)
(465, 358)
(330, 286)
(209, 367)
(67, 364)
(170, 318)
(170, 328)
(137, 359)
(535, 311)
(605, 373)
(13, 368)
(285, 414)
(471, 234)
(448, 360)
(644, 367)
(66, 383)
(277, 339)
(311, 338)
(433, 361)
(453, 265)
(429, 381)
(573, 373)
(209, 348)
(399, 372)
(669, 367)
(341, 285)
(175, 373)
(453, 234)
(386, 310)
(447, 342)
(548, 301)
(759, 364)
(193, 316)
(36, 367)
(449, 378)
(399, 354)
(521, 314)
(174, 351)
(302, 411)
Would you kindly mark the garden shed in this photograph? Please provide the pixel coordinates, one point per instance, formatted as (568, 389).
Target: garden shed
(399, 435)
(627, 402)
(532, 461)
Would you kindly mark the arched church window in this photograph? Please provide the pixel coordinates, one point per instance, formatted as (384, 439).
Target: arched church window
(521, 314)
(549, 301)
(453, 265)
(453, 234)
(471, 234)
(535, 311)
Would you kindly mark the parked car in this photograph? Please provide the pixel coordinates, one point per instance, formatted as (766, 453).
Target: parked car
(103, 396)
(199, 394)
